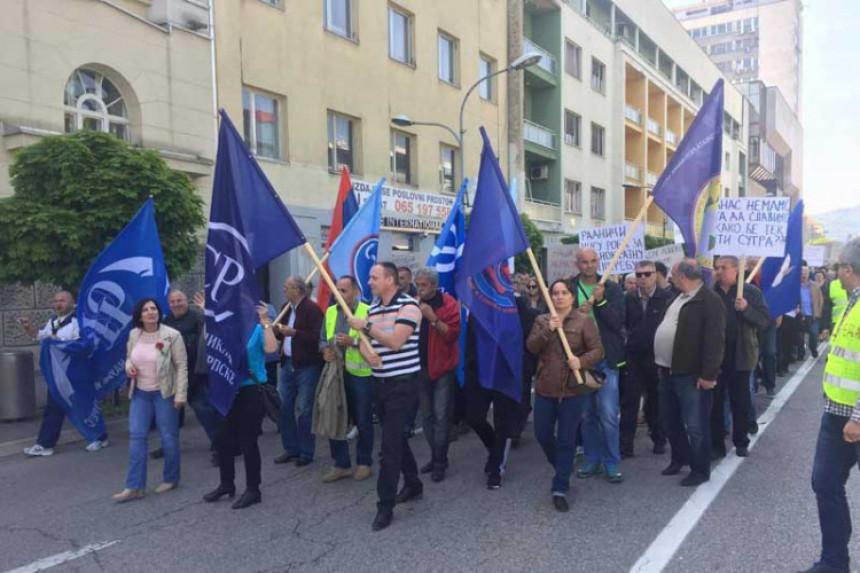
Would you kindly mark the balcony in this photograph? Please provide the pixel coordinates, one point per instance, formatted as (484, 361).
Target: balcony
(671, 138)
(632, 114)
(762, 161)
(632, 172)
(547, 60)
(651, 179)
(540, 135)
(545, 211)
(543, 75)
(654, 127)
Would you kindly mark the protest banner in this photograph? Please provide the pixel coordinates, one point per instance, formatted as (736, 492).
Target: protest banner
(607, 240)
(752, 227)
(668, 255)
(815, 255)
(561, 261)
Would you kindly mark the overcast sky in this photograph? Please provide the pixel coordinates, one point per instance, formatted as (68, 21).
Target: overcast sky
(831, 103)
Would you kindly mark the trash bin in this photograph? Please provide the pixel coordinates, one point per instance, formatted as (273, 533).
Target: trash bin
(17, 385)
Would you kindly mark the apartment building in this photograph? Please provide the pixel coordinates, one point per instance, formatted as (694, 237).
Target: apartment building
(619, 85)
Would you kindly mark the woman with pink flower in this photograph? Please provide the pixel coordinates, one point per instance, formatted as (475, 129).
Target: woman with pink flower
(156, 365)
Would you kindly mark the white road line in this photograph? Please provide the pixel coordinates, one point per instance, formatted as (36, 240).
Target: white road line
(663, 548)
(61, 558)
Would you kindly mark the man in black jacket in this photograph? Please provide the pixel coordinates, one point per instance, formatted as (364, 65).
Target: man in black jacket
(604, 303)
(644, 310)
(688, 350)
(746, 317)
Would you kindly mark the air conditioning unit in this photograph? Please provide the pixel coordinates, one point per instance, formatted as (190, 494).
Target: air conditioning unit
(539, 173)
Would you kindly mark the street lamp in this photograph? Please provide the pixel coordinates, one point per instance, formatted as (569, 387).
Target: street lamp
(524, 61)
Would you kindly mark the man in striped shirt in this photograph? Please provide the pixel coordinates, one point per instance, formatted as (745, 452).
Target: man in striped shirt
(393, 326)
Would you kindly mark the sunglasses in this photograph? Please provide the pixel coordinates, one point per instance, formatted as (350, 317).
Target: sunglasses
(644, 274)
(532, 287)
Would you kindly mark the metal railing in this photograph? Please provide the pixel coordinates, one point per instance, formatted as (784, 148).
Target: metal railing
(654, 127)
(633, 114)
(543, 210)
(651, 179)
(632, 171)
(547, 60)
(539, 135)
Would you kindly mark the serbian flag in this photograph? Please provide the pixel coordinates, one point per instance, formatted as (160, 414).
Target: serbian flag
(345, 206)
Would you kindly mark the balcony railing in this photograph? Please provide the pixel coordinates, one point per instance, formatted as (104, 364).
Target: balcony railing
(654, 127)
(671, 138)
(632, 171)
(651, 179)
(633, 114)
(547, 60)
(540, 135)
(543, 210)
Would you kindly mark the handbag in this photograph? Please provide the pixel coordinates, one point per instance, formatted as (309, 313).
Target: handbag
(592, 380)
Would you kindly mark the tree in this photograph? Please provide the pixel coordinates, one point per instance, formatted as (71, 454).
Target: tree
(535, 238)
(74, 193)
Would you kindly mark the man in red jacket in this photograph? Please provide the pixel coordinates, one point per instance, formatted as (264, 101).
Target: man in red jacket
(440, 353)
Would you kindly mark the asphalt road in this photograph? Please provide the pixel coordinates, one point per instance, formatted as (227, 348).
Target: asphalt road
(764, 519)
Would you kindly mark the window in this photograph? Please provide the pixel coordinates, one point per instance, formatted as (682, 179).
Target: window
(342, 142)
(93, 102)
(447, 168)
(275, 3)
(400, 35)
(598, 76)
(447, 58)
(262, 123)
(402, 155)
(572, 196)
(487, 66)
(597, 139)
(598, 203)
(728, 162)
(338, 17)
(572, 59)
(572, 128)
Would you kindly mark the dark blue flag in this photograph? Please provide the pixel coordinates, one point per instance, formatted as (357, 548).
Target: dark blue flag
(483, 280)
(80, 372)
(248, 226)
(780, 278)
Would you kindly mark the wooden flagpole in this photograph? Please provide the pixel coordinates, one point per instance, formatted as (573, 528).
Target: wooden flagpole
(614, 261)
(742, 268)
(314, 271)
(755, 270)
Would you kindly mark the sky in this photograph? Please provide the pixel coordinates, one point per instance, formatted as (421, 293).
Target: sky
(831, 103)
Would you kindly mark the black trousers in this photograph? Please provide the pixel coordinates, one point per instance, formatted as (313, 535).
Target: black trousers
(787, 342)
(239, 431)
(395, 399)
(640, 377)
(737, 385)
(506, 420)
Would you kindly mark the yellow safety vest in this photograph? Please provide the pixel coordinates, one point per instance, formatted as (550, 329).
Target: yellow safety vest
(839, 298)
(354, 361)
(842, 373)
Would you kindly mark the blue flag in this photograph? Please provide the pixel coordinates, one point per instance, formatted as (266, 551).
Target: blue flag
(689, 188)
(483, 280)
(449, 246)
(780, 278)
(354, 250)
(80, 372)
(248, 226)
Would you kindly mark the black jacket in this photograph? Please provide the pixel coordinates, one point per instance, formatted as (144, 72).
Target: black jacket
(641, 326)
(700, 337)
(610, 320)
(749, 323)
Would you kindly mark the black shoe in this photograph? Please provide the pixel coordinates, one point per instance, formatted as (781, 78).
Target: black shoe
(742, 451)
(286, 458)
(823, 568)
(694, 479)
(659, 449)
(302, 462)
(219, 492)
(815, 354)
(753, 428)
(156, 454)
(488, 467)
(427, 468)
(249, 498)
(409, 493)
(494, 481)
(438, 474)
(771, 392)
(383, 520)
(560, 503)
(673, 469)
(626, 453)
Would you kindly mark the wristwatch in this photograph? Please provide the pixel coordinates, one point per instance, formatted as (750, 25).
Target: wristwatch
(366, 328)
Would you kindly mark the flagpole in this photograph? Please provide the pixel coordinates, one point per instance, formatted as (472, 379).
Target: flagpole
(755, 270)
(611, 266)
(742, 267)
(314, 271)
(552, 312)
(345, 307)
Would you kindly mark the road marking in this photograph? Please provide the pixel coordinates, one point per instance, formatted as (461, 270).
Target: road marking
(663, 548)
(61, 558)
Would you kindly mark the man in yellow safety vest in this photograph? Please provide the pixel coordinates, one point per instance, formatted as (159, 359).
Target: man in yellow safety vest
(838, 448)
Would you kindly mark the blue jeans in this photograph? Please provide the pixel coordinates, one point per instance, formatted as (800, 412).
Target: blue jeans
(143, 406)
(812, 333)
(555, 429)
(834, 458)
(600, 435)
(686, 417)
(207, 415)
(359, 399)
(297, 389)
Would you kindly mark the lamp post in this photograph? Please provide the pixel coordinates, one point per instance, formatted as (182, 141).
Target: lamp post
(520, 63)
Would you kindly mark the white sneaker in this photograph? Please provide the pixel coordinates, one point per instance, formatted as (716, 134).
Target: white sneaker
(352, 434)
(38, 450)
(97, 445)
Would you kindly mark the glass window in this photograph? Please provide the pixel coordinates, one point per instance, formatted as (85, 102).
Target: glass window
(598, 76)
(598, 203)
(401, 158)
(338, 17)
(573, 196)
(487, 88)
(261, 125)
(93, 102)
(341, 142)
(597, 139)
(447, 168)
(572, 59)
(447, 59)
(572, 127)
(400, 35)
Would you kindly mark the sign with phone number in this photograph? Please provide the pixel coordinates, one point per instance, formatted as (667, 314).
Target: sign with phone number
(408, 209)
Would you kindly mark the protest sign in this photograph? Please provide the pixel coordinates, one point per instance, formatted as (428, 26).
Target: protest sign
(752, 227)
(606, 240)
(668, 255)
(561, 261)
(815, 255)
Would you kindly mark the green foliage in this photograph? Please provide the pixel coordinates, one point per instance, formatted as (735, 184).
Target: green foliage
(535, 238)
(572, 240)
(652, 242)
(74, 193)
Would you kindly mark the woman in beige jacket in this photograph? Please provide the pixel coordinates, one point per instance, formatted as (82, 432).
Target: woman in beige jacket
(156, 365)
